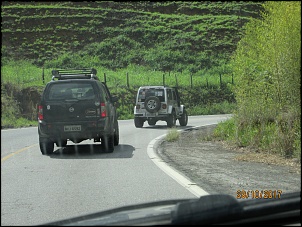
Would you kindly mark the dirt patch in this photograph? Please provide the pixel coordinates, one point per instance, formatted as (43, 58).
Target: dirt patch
(218, 168)
(26, 99)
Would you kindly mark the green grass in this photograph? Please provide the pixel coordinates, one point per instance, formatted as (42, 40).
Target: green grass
(267, 137)
(26, 74)
(211, 109)
(23, 75)
(8, 122)
(195, 33)
(172, 135)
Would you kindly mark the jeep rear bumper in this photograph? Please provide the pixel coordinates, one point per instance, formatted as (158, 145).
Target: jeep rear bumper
(162, 117)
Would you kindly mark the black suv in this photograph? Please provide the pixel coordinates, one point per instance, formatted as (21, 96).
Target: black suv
(159, 103)
(76, 106)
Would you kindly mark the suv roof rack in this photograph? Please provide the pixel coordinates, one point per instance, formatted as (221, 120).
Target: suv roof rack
(83, 73)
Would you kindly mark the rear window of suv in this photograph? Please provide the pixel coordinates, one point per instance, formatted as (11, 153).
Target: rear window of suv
(63, 91)
(145, 93)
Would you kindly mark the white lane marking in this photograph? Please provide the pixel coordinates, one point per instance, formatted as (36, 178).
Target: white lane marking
(181, 179)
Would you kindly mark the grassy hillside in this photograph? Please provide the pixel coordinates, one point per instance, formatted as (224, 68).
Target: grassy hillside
(187, 43)
(193, 35)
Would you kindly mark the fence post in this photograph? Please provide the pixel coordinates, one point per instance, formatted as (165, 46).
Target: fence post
(176, 80)
(127, 80)
(105, 78)
(207, 82)
(232, 78)
(43, 75)
(164, 79)
(220, 79)
(191, 79)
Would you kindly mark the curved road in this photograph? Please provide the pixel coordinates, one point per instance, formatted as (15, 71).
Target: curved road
(83, 179)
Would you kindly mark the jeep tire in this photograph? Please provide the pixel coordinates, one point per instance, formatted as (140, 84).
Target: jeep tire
(183, 120)
(171, 121)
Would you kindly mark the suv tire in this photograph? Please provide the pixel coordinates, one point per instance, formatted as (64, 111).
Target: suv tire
(183, 121)
(171, 121)
(108, 143)
(138, 122)
(116, 134)
(152, 104)
(46, 147)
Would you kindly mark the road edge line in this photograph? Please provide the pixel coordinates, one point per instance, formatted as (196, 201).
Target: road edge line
(172, 172)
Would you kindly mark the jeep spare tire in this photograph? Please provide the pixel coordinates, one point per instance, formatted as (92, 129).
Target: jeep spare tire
(152, 104)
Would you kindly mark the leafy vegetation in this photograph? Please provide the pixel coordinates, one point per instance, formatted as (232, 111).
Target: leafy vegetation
(172, 135)
(267, 71)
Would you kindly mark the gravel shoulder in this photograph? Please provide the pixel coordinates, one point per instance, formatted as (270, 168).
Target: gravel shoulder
(217, 168)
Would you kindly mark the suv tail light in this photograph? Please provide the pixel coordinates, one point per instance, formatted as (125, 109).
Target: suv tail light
(164, 106)
(138, 107)
(40, 112)
(103, 110)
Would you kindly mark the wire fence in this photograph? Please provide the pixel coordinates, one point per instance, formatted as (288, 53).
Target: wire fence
(128, 80)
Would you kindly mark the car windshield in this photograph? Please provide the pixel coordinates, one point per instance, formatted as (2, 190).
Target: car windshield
(150, 113)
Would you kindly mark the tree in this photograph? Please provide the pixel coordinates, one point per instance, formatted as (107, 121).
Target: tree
(266, 67)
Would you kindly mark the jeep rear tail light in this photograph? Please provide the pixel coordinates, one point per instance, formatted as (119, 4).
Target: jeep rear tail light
(138, 107)
(40, 112)
(103, 110)
(164, 106)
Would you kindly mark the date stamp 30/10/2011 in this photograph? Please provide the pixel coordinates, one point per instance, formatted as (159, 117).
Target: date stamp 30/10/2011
(259, 194)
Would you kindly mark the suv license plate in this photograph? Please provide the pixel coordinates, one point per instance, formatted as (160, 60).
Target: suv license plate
(72, 128)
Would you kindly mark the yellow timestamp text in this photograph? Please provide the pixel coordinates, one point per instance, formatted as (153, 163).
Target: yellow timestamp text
(259, 194)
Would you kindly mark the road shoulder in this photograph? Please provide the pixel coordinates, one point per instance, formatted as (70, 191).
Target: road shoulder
(216, 168)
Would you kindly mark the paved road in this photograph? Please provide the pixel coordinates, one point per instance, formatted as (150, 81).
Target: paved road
(83, 179)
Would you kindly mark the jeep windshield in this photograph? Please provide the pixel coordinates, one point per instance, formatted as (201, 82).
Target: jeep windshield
(66, 91)
(148, 92)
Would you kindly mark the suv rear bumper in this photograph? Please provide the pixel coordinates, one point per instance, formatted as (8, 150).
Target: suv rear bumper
(88, 130)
